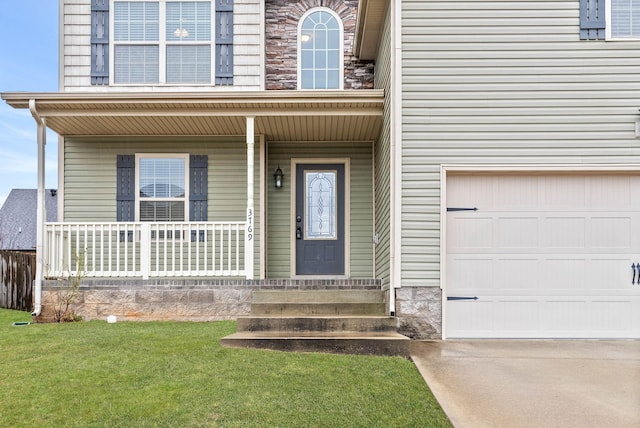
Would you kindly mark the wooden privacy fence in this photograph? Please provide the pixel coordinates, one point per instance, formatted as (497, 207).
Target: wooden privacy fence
(18, 270)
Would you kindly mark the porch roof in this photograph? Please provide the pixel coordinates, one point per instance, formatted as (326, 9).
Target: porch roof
(348, 115)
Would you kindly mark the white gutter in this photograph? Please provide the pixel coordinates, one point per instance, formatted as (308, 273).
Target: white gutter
(40, 210)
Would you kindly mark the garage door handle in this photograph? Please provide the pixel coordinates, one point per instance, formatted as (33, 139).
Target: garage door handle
(462, 298)
(635, 280)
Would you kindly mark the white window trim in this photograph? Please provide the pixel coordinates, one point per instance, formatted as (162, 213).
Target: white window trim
(162, 45)
(184, 156)
(299, 47)
(609, 25)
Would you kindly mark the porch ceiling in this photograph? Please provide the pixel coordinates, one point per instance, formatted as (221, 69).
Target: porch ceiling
(280, 115)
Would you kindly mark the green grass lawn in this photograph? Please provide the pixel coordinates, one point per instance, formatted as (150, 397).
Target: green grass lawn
(177, 374)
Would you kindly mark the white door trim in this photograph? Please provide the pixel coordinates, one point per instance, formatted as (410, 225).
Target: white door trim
(347, 215)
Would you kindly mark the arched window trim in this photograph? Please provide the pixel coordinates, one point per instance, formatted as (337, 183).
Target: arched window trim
(299, 52)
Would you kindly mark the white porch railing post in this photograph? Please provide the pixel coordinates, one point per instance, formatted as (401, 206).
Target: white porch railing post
(249, 231)
(145, 249)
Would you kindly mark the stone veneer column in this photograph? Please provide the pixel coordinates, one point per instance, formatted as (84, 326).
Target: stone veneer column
(419, 310)
(281, 27)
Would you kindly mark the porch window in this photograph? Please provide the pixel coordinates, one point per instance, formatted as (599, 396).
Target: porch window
(162, 188)
(320, 58)
(162, 41)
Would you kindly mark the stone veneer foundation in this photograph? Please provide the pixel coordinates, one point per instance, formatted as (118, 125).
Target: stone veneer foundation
(181, 300)
(281, 26)
(418, 309)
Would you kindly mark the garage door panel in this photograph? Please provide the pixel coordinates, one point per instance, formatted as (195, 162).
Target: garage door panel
(513, 317)
(539, 275)
(611, 315)
(516, 275)
(470, 274)
(473, 188)
(613, 193)
(472, 233)
(566, 192)
(611, 232)
(517, 232)
(559, 267)
(610, 276)
(564, 317)
(564, 232)
(562, 276)
(516, 314)
(513, 193)
(471, 317)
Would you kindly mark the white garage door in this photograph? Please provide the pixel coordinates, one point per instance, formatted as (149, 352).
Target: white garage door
(547, 256)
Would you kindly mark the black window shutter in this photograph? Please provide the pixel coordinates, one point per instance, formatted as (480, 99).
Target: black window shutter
(126, 192)
(198, 188)
(99, 42)
(224, 42)
(592, 19)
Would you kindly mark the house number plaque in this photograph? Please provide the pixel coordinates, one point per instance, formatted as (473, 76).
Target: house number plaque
(249, 224)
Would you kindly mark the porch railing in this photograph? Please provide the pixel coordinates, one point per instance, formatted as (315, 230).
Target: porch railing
(145, 250)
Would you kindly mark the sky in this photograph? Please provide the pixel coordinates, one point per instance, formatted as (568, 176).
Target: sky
(28, 63)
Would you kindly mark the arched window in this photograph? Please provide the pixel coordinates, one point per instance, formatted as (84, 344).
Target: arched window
(320, 57)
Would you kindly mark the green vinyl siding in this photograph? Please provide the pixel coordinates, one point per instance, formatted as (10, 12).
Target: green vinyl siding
(503, 82)
(279, 203)
(90, 176)
(383, 159)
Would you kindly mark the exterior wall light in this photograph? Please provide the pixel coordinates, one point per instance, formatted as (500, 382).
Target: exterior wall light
(279, 177)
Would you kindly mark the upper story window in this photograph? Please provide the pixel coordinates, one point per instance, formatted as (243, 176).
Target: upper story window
(320, 46)
(170, 42)
(624, 19)
(188, 33)
(136, 29)
(162, 41)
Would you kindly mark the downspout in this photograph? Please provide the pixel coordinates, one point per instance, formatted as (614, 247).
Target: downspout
(40, 210)
(396, 154)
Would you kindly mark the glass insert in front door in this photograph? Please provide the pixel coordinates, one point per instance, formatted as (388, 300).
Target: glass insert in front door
(320, 205)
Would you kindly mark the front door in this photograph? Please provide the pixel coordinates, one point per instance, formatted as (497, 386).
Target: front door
(319, 219)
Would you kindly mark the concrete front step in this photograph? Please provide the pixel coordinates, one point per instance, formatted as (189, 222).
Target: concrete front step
(334, 321)
(318, 296)
(337, 309)
(337, 343)
(326, 324)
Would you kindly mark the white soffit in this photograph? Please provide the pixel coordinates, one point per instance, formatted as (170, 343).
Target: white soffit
(279, 115)
(369, 23)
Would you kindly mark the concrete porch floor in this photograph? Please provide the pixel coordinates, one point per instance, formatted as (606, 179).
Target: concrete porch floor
(534, 383)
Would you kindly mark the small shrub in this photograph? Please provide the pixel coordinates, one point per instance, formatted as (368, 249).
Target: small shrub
(65, 295)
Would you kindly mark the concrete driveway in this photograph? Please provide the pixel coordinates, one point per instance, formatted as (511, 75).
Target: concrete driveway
(534, 383)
